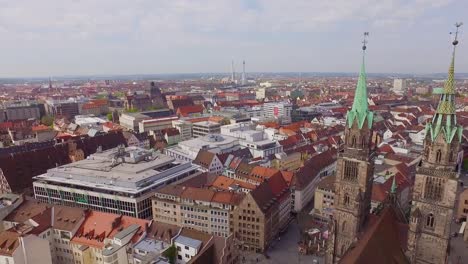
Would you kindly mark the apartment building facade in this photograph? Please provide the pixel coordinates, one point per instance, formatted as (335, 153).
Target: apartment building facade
(201, 209)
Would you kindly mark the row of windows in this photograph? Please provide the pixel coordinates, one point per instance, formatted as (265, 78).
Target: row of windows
(187, 208)
(248, 218)
(189, 222)
(249, 226)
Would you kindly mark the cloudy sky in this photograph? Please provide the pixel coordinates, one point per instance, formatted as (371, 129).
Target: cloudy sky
(75, 37)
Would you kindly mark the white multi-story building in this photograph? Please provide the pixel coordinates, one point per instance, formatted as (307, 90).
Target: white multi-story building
(120, 181)
(204, 128)
(184, 127)
(399, 86)
(187, 248)
(256, 140)
(260, 94)
(215, 143)
(156, 125)
(278, 110)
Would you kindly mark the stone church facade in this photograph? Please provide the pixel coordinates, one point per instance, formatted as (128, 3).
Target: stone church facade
(436, 181)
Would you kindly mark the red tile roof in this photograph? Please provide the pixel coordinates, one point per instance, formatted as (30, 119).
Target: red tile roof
(189, 109)
(99, 225)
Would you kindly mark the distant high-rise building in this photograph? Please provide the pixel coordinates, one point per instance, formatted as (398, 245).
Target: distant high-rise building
(243, 81)
(233, 72)
(399, 86)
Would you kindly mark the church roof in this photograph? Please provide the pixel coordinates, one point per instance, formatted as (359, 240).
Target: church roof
(383, 242)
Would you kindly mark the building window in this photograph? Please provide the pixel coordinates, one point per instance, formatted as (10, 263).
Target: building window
(430, 221)
(433, 188)
(353, 141)
(343, 226)
(350, 170)
(346, 199)
(451, 157)
(179, 256)
(438, 155)
(186, 248)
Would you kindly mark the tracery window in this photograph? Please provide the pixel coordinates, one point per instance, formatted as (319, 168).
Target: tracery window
(433, 188)
(346, 199)
(430, 221)
(350, 170)
(438, 155)
(353, 141)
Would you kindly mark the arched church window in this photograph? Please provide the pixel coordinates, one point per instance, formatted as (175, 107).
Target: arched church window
(433, 188)
(451, 156)
(438, 155)
(346, 199)
(363, 143)
(430, 221)
(353, 141)
(343, 226)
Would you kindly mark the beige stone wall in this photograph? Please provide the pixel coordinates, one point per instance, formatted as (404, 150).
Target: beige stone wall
(248, 224)
(166, 211)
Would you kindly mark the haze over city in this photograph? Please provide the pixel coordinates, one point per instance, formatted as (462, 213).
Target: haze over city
(64, 37)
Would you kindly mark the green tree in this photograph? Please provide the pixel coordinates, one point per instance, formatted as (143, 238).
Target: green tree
(131, 110)
(109, 116)
(47, 120)
(171, 253)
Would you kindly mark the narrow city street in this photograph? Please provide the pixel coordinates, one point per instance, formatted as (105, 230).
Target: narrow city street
(284, 250)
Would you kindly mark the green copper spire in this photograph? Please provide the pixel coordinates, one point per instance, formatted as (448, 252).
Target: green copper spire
(445, 120)
(394, 186)
(360, 108)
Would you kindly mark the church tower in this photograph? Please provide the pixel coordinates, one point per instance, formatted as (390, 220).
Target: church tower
(354, 176)
(435, 185)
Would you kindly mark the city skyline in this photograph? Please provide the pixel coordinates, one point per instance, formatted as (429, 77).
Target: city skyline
(57, 38)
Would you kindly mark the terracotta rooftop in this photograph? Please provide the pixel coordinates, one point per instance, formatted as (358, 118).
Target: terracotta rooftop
(198, 194)
(175, 190)
(228, 198)
(327, 183)
(99, 225)
(67, 218)
(223, 183)
(8, 242)
(189, 109)
(27, 210)
(162, 231)
(204, 158)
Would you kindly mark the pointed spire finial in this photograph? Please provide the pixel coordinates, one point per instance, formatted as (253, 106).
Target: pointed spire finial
(364, 41)
(360, 107)
(455, 40)
(444, 121)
